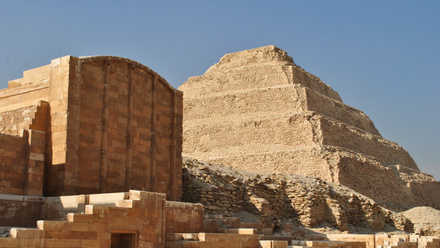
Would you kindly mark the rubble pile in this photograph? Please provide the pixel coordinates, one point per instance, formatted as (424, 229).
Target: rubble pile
(275, 199)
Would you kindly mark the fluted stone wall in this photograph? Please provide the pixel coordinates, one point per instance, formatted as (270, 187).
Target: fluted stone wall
(111, 125)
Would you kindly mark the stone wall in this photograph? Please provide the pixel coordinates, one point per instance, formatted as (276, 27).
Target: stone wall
(20, 210)
(14, 121)
(128, 134)
(30, 117)
(22, 163)
(394, 187)
(101, 220)
(26, 91)
(13, 163)
(277, 198)
(184, 217)
(138, 220)
(112, 125)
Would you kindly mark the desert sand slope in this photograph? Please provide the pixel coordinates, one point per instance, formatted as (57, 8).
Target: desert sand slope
(426, 220)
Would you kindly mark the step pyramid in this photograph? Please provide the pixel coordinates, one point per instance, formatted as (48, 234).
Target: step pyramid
(256, 110)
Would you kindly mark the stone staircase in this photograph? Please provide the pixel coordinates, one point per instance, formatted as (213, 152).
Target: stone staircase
(74, 232)
(78, 229)
(208, 240)
(222, 231)
(407, 241)
(91, 229)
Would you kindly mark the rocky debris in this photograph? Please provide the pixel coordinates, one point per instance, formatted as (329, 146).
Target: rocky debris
(280, 199)
(426, 220)
(12, 122)
(4, 231)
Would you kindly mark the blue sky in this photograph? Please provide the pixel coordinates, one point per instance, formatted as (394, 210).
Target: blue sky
(381, 56)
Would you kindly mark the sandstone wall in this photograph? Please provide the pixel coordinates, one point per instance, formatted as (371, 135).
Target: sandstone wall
(138, 220)
(29, 117)
(13, 163)
(125, 131)
(114, 125)
(20, 210)
(184, 217)
(26, 91)
(14, 121)
(22, 163)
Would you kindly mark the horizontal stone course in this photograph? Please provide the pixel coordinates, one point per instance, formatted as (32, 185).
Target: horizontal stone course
(256, 110)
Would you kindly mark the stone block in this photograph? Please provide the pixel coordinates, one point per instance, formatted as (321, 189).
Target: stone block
(73, 217)
(9, 242)
(90, 243)
(273, 243)
(49, 225)
(60, 243)
(241, 230)
(267, 231)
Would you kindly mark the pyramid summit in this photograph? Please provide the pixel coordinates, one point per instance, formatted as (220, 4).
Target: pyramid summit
(256, 110)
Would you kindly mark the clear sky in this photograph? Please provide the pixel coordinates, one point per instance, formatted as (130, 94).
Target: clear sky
(383, 57)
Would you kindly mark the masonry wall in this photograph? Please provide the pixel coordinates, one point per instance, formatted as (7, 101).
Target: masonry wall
(20, 210)
(60, 73)
(12, 164)
(111, 125)
(26, 91)
(123, 130)
(183, 217)
(13, 121)
(140, 214)
(22, 163)
(344, 136)
(383, 183)
(369, 239)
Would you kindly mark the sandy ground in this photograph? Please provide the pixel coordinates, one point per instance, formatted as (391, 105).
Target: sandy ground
(426, 220)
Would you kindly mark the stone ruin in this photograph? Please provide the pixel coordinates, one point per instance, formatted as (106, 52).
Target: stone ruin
(90, 152)
(91, 125)
(256, 110)
(82, 126)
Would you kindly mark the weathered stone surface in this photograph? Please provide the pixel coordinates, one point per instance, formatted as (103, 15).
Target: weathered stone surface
(142, 216)
(275, 198)
(110, 124)
(256, 110)
(426, 220)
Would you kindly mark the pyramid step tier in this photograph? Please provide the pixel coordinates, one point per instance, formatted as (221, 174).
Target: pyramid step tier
(385, 184)
(287, 131)
(256, 68)
(282, 99)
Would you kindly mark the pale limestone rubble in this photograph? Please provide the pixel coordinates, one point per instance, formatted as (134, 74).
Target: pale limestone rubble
(256, 110)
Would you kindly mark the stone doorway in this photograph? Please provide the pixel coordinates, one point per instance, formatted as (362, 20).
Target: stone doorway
(123, 240)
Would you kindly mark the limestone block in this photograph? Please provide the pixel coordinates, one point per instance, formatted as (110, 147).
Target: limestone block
(273, 243)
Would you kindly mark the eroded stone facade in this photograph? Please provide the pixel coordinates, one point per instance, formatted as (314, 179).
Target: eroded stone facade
(256, 110)
(278, 201)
